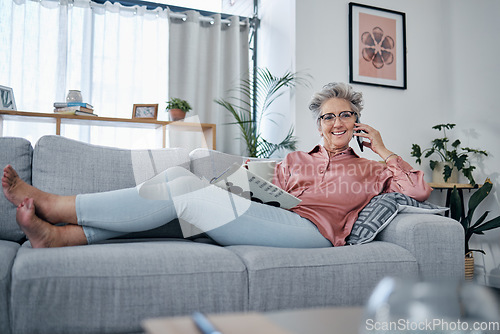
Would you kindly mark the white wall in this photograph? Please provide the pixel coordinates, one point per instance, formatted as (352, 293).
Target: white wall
(452, 78)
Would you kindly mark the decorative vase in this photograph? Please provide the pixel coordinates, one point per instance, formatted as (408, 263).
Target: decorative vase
(469, 266)
(437, 173)
(176, 114)
(74, 96)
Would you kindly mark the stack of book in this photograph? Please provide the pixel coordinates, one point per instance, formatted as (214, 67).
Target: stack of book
(74, 108)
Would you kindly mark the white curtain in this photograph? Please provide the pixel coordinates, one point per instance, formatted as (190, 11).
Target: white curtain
(117, 56)
(206, 60)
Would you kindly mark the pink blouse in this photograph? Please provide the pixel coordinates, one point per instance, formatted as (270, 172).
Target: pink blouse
(334, 190)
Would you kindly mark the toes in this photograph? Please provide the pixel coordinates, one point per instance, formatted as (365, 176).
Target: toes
(9, 172)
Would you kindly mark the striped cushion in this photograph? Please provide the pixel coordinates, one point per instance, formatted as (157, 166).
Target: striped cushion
(377, 214)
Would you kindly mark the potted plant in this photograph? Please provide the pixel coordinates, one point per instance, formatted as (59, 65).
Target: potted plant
(470, 228)
(177, 108)
(249, 112)
(453, 157)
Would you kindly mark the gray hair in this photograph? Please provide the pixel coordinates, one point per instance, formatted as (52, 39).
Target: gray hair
(336, 90)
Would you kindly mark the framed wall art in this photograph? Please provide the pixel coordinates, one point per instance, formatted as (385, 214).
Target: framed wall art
(7, 98)
(145, 111)
(377, 46)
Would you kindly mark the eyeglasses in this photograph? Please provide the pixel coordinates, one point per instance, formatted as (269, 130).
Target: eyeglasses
(344, 116)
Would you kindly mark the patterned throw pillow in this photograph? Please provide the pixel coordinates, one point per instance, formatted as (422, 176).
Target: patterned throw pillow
(380, 211)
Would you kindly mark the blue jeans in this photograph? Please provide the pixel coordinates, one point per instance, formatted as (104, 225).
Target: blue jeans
(177, 193)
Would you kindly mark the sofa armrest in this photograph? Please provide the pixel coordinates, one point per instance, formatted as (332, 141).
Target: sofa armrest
(437, 243)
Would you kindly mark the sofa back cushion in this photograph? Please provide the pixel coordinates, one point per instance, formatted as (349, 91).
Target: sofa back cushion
(68, 167)
(18, 153)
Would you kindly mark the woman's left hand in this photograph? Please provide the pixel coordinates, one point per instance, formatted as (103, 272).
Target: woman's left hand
(375, 143)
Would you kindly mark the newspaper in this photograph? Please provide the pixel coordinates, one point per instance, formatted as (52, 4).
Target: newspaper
(240, 181)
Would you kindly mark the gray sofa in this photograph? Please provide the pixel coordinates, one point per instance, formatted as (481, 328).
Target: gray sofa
(112, 286)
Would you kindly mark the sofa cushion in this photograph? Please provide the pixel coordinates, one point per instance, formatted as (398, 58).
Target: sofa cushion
(283, 278)
(18, 153)
(111, 288)
(67, 167)
(8, 250)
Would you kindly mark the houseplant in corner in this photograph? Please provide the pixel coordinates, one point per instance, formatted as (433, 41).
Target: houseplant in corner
(268, 88)
(177, 108)
(453, 157)
(470, 227)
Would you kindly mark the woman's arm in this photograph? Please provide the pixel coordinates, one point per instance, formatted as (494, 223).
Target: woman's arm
(399, 176)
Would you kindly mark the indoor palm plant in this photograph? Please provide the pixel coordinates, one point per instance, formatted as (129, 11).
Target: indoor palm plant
(177, 108)
(472, 227)
(250, 104)
(453, 157)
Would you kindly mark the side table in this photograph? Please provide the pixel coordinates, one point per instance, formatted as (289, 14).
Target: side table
(449, 188)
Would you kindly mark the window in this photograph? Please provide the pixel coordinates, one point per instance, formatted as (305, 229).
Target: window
(116, 55)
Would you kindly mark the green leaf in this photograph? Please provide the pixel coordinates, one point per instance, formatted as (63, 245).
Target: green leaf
(447, 172)
(456, 143)
(459, 161)
(416, 152)
(443, 126)
(429, 152)
(455, 205)
(472, 150)
(467, 171)
(477, 197)
(439, 143)
(433, 164)
(479, 221)
(492, 224)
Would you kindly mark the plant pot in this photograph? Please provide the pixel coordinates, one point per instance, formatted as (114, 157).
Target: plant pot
(176, 114)
(469, 266)
(437, 173)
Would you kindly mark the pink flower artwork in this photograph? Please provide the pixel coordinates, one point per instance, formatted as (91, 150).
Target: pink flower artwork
(377, 46)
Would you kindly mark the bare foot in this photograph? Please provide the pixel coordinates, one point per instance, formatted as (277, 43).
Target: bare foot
(14, 189)
(39, 233)
(52, 208)
(42, 234)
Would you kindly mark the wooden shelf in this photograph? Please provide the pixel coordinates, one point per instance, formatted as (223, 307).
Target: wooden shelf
(451, 185)
(208, 129)
(449, 188)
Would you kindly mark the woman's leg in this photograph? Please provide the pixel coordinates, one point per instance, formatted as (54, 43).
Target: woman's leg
(234, 220)
(177, 193)
(264, 225)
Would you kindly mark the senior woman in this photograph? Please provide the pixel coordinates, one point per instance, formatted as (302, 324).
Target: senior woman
(333, 183)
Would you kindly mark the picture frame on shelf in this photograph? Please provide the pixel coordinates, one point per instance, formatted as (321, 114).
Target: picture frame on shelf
(377, 46)
(7, 101)
(145, 111)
